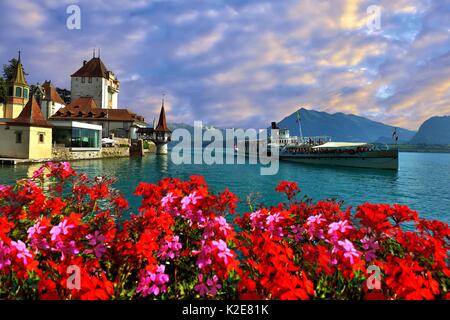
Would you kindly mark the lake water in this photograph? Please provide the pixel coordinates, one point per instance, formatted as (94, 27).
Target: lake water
(422, 182)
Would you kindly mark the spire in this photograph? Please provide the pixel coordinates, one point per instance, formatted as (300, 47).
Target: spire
(19, 74)
(162, 124)
(93, 53)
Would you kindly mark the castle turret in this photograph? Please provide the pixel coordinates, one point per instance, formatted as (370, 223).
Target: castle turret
(95, 80)
(161, 135)
(17, 93)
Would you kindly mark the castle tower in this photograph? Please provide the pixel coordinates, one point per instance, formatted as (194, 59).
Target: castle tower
(161, 135)
(50, 101)
(94, 80)
(17, 94)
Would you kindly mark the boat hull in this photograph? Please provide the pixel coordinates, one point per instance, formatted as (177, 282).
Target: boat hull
(386, 159)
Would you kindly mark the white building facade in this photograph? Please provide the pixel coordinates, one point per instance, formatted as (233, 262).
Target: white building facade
(94, 80)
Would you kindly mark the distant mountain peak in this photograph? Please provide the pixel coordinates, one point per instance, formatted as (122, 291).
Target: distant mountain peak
(434, 130)
(342, 127)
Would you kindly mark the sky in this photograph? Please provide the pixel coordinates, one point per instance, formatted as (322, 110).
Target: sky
(233, 63)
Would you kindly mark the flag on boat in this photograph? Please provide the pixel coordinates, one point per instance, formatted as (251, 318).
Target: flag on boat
(300, 131)
(395, 135)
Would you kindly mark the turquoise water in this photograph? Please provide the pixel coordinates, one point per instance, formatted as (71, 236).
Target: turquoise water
(422, 182)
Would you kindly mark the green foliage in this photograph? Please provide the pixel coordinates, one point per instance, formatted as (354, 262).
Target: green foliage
(3, 90)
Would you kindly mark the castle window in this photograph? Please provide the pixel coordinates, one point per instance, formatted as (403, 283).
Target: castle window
(90, 80)
(19, 137)
(25, 93)
(19, 92)
(41, 137)
(83, 80)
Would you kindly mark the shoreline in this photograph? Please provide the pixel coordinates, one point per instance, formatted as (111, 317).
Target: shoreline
(16, 161)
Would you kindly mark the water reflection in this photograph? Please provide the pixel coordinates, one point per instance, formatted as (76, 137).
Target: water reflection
(422, 181)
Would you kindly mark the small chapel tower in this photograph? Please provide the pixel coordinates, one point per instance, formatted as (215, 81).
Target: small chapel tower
(17, 93)
(161, 135)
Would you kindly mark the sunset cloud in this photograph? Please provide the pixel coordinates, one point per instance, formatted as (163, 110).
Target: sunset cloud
(246, 63)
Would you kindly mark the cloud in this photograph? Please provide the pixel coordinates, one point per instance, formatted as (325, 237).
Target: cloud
(234, 63)
(202, 44)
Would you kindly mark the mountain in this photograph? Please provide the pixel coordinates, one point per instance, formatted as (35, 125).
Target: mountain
(435, 130)
(176, 125)
(342, 127)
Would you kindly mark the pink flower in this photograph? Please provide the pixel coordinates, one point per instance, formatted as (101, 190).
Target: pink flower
(213, 284)
(65, 166)
(349, 250)
(210, 287)
(96, 240)
(66, 249)
(255, 215)
(152, 283)
(201, 287)
(224, 252)
(168, 199)
(61, 228)
(203, 255)
(255, 219)
(273, 218)
(38, 173)
(4, 253)
(35, 229)
(190, 199)
(22, 251)
(341, 226)
(224, 227)
(169, 249)
(371, 246)
(317, 219)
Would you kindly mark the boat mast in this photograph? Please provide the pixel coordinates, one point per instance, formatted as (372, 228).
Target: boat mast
(299, 126)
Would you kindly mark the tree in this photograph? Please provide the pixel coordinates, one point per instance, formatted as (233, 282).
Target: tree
(8, 73)
(10, 69)
(3, 90)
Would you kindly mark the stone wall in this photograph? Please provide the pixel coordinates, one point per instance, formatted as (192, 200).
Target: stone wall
(121, 141)
(65, 154)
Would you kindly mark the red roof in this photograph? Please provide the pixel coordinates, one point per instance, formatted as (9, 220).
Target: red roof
(31, 115)
(85, 108)
(51, 94)
(92, 68)
(162, 124)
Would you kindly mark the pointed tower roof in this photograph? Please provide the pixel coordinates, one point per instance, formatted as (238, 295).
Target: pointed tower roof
(31, 115)
(19, 74)
(51, 94)
(93, 68)
(162, 124)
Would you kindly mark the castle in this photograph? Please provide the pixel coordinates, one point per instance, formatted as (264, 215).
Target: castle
(31, 125)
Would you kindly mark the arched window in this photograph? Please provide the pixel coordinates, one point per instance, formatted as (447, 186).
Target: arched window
(19, 92)
(25, 93)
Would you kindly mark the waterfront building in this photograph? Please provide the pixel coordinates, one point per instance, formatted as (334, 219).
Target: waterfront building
(159, 135)
(48, 98)
(28, 136)
(95, 80)
(17, 94)
(78, 136)
(121, 123)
